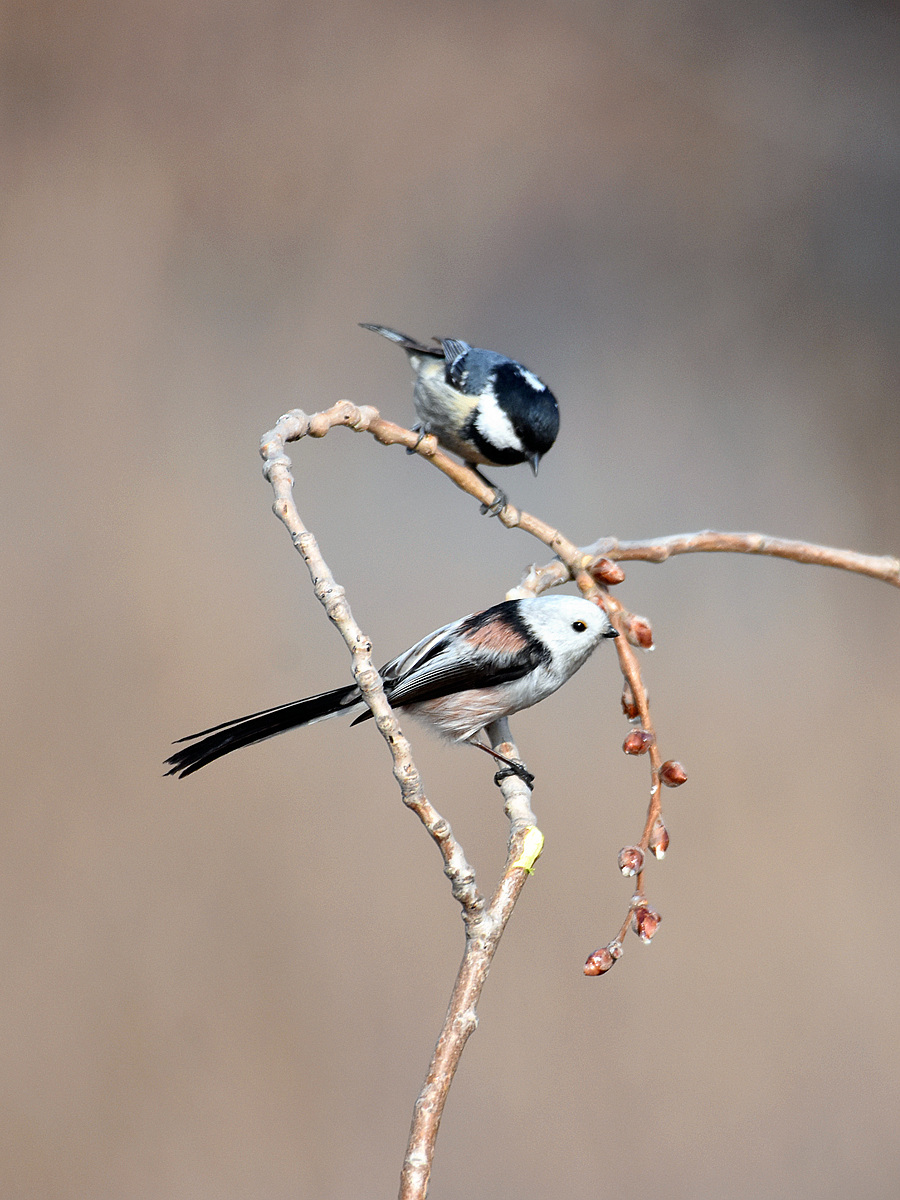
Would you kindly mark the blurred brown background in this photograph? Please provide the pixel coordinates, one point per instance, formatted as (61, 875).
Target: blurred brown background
(682, 215)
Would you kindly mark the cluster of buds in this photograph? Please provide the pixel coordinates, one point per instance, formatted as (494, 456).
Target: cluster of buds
(643, 919)
(644, 922)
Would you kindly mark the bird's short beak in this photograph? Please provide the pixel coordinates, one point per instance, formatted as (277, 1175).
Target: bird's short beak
(611, 632)
(535, 461)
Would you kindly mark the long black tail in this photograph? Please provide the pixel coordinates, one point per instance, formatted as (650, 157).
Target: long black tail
(244, 731)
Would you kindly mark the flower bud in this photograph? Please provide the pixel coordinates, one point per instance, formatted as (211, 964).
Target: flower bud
(672, 774)
(638, 632)
(645, 922)
(606, 571)
(659, 839)
(629, 704)
(601, 960)
(631, 860)
(638, 741)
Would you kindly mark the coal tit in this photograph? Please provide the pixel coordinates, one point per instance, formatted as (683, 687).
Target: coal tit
(456, 681)
(484, 407)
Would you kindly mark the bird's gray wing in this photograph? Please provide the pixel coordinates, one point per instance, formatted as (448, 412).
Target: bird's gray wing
(445, 672)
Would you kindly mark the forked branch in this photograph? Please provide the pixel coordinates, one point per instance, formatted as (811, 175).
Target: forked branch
(595, 570)
(484, 922)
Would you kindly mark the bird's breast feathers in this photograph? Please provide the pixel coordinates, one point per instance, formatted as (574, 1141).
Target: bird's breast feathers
(462, 714)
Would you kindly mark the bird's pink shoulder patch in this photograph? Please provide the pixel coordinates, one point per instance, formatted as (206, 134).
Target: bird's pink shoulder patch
(497, 635)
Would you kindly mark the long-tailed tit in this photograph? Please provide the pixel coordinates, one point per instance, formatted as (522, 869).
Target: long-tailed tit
(457, 680)
(484, 407)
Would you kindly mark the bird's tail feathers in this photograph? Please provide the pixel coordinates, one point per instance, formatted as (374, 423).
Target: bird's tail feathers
(245, 731)
(410, 345)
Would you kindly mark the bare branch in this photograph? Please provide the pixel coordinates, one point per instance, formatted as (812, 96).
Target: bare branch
(332, 596)
(708, 541)
(885, 568)
(482, 939)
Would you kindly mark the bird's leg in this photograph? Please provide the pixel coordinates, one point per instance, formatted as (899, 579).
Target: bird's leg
(421, 431)
(500, 501)
(510, 767)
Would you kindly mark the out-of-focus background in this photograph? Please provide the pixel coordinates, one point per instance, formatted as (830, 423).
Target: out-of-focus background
(684, 217)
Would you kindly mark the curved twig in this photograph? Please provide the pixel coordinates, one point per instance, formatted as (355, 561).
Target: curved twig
(365, 419)
(333, 598)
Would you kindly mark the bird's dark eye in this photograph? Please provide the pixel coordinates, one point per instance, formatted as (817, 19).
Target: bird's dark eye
(579, 626)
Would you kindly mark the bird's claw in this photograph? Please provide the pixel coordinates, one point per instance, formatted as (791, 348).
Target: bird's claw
(519, 770)
(496, 506)
(421, 431)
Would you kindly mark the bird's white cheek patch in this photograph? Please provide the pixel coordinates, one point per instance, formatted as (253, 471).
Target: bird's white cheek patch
(495, 426)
